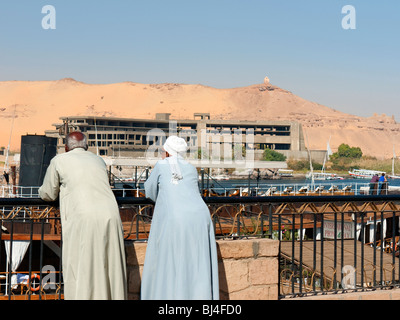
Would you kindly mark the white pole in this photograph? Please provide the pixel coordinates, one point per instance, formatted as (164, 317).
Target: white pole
(309, 155)
(7, 278)
(9, 140)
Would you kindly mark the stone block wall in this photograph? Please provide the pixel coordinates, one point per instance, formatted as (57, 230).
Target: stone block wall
(248, 269)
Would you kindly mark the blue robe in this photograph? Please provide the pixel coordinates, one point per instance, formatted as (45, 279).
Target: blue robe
(181, 257)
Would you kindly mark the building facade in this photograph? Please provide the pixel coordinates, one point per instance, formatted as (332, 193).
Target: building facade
(125, 137)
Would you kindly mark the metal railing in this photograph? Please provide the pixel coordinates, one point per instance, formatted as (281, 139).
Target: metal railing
(339, 247)
(327, 243)
(30, 253)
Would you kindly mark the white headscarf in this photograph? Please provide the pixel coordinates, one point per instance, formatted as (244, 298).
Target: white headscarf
(176, 147)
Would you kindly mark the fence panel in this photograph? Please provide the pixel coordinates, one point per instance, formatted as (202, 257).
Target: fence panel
(327, 243)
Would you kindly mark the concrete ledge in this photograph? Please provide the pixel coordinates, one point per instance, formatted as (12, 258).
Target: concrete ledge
(248, 269)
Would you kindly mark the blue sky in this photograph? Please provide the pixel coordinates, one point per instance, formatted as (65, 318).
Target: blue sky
(300, 45)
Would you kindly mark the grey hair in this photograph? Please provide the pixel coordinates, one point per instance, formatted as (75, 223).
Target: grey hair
(73, 143)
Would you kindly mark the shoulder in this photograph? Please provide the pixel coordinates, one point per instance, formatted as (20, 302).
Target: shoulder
(161, 164)
(187, 164)
(58, 158)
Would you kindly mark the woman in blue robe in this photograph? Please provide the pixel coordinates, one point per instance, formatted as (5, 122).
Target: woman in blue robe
(181, 257)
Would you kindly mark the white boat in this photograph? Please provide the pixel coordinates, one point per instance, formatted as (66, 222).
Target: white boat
(390, 190)
(220, 177)
(286, 173)
(218, 174)
(364, 173)
(216, 177)
(323, 176)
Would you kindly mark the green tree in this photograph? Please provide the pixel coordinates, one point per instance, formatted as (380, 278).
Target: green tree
(271, 155)
(345, 151)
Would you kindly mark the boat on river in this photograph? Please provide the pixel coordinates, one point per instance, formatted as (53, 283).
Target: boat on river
(364, 173)
(323, 176)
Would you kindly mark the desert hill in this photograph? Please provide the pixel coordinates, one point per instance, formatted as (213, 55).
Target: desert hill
(38, 104)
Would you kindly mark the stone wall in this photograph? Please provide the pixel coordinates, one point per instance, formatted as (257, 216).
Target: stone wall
(248, 269)
(368, 294)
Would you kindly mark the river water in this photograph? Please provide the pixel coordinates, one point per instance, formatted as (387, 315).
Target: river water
(263, 185)
(281, 184)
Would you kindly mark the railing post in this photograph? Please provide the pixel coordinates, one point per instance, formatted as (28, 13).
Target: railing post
(1, 236)
(9, 265)
(362, 249)
(335, 252)
(393, 246)
(301, 253)
(374, 246)
(271, 230)
(355, 246)
(314, 247)
(30, 259)
(293, 250)
(60, 273)
(262, 220)
(41, 259)
(279, 253)
(342, 246)
(382, 248)
(238, 224)
(322, 252)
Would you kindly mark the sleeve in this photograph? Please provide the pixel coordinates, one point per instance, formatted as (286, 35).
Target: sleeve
(151, 184)
(51, 184)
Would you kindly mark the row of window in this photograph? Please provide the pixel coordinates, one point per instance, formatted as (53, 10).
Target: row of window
(257, 146)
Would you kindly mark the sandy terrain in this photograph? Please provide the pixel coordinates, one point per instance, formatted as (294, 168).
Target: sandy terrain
(39, 104)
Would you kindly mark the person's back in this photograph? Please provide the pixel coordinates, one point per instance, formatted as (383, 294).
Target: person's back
(373, 184)
(181, 257)
(382, 187)
(93, 253)
(185, 194)
(83, 177)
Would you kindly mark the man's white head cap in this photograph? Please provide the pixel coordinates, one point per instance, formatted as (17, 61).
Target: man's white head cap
(175, 146)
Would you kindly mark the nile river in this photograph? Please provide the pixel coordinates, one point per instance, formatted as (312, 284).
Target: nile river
(223, 187)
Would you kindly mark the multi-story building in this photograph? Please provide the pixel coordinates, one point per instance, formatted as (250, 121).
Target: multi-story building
(124, 137)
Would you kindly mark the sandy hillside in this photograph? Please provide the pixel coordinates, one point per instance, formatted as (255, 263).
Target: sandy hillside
(39, 104)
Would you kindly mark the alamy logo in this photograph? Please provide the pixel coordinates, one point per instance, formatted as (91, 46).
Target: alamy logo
(349, 277)
(208, 146)
(49, 278)
(49, 20)
(349, 20)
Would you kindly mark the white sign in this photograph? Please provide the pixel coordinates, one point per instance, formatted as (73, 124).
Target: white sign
(329, 230)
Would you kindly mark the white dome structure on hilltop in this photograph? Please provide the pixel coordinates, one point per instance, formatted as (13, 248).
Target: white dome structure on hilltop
(266, 80)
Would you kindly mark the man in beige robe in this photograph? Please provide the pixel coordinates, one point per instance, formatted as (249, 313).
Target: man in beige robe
(93, 253)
